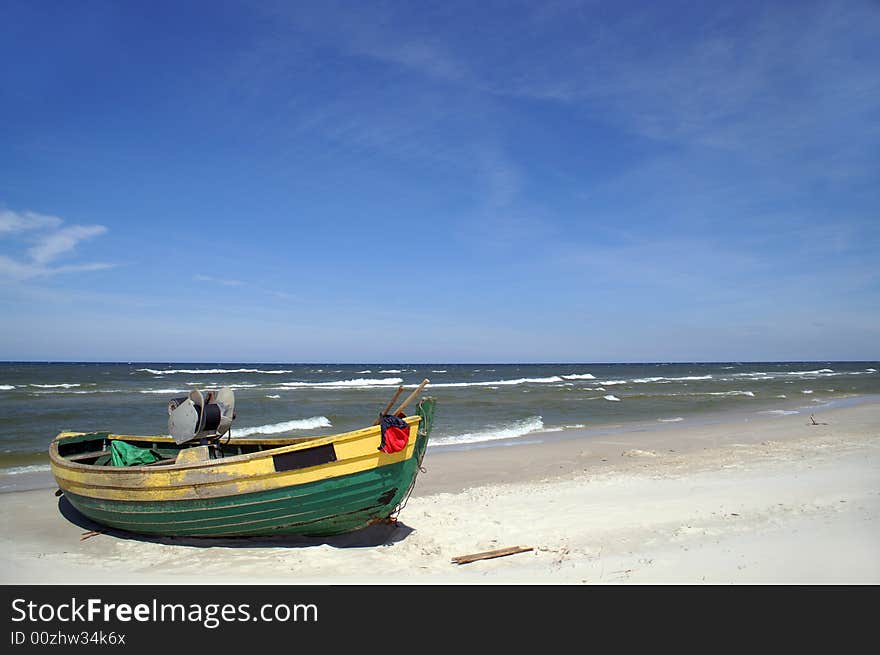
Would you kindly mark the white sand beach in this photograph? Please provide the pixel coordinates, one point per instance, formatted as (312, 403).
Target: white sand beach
(754, 500)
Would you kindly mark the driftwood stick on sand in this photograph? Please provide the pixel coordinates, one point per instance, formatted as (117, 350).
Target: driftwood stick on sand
(489, 554)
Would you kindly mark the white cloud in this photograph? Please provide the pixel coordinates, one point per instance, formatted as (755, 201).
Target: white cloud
(50, 240)
(224, 282)
(64, 240)
(11, 222)
(11, 269)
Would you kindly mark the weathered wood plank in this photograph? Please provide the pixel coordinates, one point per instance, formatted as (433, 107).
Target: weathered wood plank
(84, 456)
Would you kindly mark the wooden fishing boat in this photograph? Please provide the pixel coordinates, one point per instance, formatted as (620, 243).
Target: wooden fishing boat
(320, 485)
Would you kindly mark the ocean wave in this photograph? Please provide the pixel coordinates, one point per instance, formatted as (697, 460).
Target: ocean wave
(493, 433)
(7, 387)
(443, 371)
(343, 384)
(496, 383)
(84, 392)
(658, 379)
(164, 391)
(807, 391)
(234, 385)
(285, 426)
(31, 468)
(768, 375)
(780, 412)
(213, 371)
(870, 370)
(750, 394)
(682, 378)
(55, 386)
(580, 376)
(273, 396)
(670, 420)
(612, 398)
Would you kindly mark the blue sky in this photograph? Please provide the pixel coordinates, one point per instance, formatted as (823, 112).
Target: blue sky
(439, 182)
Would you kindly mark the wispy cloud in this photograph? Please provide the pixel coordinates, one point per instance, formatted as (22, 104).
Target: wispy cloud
(12, 222)
(779, 83)
(226, 282)
(56, 243)
(49, 240)
(215, 280)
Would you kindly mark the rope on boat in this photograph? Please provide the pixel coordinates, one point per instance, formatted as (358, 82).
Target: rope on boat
(424, 429)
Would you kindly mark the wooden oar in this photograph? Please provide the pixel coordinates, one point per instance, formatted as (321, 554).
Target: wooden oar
(411, 397)
(388, 406)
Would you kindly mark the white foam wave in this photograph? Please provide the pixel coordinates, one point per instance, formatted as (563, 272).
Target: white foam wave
(235, 385)
(31, 468)
(164, 391)
(670, 420)
(273, 396)
(580, 376)
(612, 398)
(780, 412)
(55, 386)
(609, 383)
(765, 375)
(683, 378)
(807, 391)
(495, 383)
(443, 371)
(391, 370)
(870, 370)
(7, 387)
(750, 394)
(285, 426)
(493, 433)
(81, 393)
(213, 371)
(344, 384)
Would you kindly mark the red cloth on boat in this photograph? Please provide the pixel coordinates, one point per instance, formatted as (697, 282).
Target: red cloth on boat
(395, 434)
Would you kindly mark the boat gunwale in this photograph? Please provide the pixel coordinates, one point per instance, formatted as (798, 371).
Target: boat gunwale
(56, 459)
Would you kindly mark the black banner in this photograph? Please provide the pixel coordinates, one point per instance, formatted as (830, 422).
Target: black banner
(140, 618)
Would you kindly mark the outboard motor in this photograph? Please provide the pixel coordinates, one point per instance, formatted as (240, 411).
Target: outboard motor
(201, 417)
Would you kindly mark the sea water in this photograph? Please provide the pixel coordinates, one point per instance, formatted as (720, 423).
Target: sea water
(478, 405)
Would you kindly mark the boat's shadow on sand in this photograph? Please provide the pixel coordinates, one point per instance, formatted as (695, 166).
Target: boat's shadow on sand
(382, 534)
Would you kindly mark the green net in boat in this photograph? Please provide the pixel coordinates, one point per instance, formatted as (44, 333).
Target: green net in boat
(124, 454)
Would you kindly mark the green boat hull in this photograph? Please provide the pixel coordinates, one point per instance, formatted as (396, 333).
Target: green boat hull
(325, 507)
